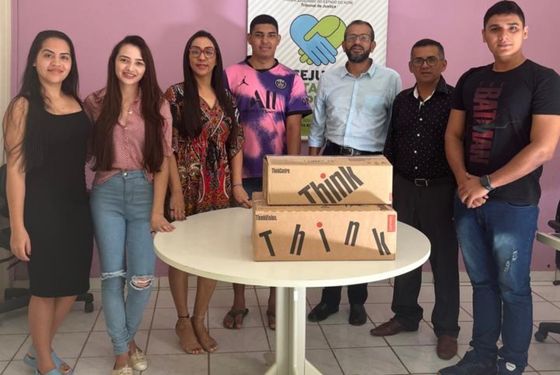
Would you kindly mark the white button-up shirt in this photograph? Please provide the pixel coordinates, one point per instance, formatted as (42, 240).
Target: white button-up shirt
(354, 111)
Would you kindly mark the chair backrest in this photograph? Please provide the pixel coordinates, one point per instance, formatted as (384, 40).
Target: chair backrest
(4, 211)
(5, 233)
(555, 224)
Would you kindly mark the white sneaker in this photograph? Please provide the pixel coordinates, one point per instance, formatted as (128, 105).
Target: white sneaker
(510, 366)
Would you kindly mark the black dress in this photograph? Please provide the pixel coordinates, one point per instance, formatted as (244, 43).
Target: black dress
(56, 214)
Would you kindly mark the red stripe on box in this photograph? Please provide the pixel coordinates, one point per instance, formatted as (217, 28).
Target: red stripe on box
(391, 223)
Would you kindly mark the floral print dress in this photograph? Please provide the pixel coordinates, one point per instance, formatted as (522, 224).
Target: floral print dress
(204, 162)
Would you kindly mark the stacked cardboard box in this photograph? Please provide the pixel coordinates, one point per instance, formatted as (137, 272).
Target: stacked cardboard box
(325, 208)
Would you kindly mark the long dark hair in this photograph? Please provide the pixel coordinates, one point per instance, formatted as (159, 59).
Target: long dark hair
(102, 144)
(32, 146)
(191, 122)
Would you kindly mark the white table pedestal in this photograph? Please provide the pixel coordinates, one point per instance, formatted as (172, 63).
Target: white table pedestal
(290, 334)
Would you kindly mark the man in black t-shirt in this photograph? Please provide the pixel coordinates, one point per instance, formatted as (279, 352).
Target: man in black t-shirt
(505, 123)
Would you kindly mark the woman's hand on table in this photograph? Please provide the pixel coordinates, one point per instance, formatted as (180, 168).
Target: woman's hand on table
(160, 224)
(241, 196)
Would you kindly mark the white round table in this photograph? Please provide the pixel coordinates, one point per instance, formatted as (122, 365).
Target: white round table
(217, 245)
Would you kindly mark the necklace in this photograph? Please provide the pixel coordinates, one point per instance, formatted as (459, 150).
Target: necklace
(124, 116)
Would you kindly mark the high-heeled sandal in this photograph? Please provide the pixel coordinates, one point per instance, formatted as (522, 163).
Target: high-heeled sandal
(271, 319)
(187, 336)
(204, 338)
(30, 360)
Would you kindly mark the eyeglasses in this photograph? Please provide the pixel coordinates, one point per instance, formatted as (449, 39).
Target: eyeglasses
(430, 60)
(209, 52)
(362, 38)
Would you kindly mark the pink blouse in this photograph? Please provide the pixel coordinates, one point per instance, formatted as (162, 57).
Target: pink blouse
(128, 138)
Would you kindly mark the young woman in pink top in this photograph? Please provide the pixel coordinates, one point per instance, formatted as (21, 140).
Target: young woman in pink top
(130, 145)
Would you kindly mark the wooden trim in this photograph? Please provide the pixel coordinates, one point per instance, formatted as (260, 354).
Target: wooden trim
(5, 61)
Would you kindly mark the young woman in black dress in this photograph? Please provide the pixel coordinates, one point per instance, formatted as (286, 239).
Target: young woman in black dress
(45, 135)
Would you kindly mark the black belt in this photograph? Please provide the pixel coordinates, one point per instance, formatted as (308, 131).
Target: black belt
(345, 150)
(425, 182)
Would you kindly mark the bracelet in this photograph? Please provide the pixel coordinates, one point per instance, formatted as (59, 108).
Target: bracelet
(234, 185)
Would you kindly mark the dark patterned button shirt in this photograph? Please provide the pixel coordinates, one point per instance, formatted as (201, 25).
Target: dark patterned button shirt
(415, 141)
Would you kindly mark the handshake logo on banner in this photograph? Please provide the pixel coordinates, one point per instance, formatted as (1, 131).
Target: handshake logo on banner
(317, 40)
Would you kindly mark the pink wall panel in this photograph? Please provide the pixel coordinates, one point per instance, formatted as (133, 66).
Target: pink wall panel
(95, 26)
(457, 25)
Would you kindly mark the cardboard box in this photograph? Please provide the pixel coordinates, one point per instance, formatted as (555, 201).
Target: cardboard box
(353, 232)
(293, 180)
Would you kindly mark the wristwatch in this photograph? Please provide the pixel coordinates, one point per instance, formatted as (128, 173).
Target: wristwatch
(485, 182)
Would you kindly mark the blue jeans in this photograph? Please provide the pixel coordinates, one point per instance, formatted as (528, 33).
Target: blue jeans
(497, 241)
(121, 209)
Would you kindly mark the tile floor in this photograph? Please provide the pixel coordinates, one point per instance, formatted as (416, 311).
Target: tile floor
(333, 346)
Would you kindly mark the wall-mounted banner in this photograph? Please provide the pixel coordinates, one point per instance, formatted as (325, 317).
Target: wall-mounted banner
(313, 30)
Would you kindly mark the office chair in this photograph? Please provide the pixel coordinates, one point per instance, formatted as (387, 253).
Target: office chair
(553, 240)
(15, 298)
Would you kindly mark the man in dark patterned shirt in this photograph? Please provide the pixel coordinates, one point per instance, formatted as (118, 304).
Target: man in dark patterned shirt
(423, 190)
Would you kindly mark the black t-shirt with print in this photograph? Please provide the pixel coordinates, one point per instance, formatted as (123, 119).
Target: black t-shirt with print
(499, 108)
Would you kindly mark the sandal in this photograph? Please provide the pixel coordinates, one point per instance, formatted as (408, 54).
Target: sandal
(137, 360)
(271, 317)
(62, 367)
(204, 338)
(54, 371)
(187, 337)
(234, 318)
(126, 370)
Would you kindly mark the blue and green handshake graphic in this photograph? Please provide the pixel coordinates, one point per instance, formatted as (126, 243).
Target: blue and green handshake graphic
(317, 40)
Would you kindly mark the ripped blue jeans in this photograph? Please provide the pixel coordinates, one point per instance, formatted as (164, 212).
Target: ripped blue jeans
(121, 210)
(496, 240)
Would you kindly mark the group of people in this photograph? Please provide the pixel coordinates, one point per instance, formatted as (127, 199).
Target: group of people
(467, 162)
